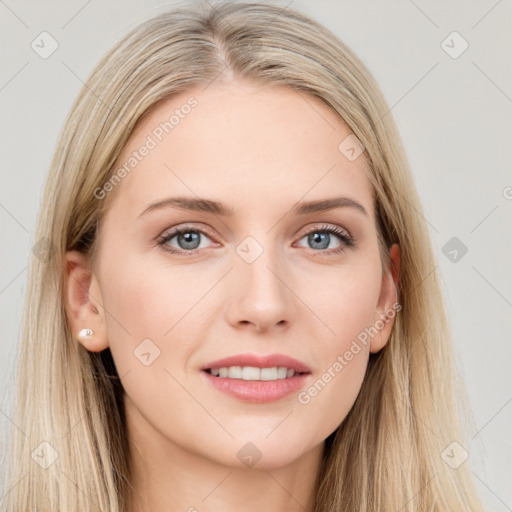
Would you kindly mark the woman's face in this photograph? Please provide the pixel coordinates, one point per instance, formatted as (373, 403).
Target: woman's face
(268, 278)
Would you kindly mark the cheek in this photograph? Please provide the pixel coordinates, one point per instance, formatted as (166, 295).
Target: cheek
(332, 393)
(159, 316)
(343, 348)
(149, 302)
(345, 300)
(152, 332)
(344, 359)
(150, 297)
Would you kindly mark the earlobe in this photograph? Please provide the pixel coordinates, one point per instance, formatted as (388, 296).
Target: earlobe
(386, 307)
(83, 303)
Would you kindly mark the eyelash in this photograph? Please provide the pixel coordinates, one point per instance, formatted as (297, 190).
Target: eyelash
(347, 240)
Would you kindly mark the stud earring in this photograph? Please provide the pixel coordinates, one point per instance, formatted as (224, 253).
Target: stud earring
(85, 333)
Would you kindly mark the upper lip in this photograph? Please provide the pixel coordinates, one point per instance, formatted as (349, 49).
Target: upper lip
(259, 361)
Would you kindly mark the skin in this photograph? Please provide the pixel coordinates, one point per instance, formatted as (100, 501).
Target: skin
(259, 150)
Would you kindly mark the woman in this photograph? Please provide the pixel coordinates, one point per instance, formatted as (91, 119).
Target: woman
(236, 307)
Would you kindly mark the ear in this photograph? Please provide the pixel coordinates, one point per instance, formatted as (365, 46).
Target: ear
(83, 302)
(388, 297)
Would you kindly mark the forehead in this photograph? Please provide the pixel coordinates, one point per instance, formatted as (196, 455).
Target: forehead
(245, 144)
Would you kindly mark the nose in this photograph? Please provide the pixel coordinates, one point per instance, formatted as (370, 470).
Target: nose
(261, 296)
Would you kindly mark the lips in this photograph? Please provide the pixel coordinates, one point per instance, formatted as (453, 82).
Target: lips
(259, 361)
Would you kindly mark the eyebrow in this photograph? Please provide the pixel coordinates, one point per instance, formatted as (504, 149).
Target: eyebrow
(218, 208)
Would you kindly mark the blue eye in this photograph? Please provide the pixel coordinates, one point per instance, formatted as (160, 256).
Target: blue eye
(189, 239)
(321, 238)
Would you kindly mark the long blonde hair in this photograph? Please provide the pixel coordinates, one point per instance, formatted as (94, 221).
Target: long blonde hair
(387, 454)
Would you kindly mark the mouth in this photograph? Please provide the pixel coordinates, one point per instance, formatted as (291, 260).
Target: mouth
(256, 385)
(257, 378)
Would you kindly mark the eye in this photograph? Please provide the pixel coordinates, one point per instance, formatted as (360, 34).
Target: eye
(188, 239)
(321, 238)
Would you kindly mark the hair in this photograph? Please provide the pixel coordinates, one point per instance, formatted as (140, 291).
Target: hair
(386, 454)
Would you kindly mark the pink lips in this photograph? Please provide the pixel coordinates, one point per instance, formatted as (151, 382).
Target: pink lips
(258, 361)
(258, 391)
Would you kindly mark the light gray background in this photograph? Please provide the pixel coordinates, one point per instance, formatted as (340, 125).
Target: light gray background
(454, 116)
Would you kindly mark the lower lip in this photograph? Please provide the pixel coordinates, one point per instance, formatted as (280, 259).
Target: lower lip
(258, 391)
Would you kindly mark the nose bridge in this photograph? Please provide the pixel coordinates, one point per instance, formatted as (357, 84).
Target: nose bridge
(261, 295)
(259, 260)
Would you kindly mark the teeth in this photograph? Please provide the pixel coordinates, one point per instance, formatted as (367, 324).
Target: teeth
(235, 372)
(268, 374)
(253, 373)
